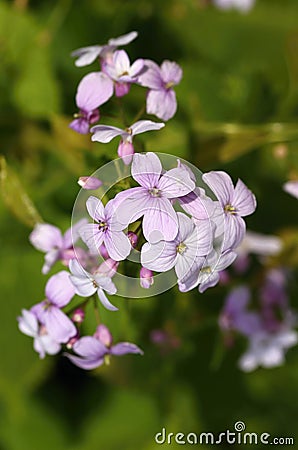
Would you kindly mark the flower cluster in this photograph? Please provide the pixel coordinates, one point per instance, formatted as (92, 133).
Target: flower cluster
(173, 220)
(269, 325)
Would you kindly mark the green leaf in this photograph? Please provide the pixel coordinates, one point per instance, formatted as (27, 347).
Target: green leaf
(36, 92)
(15, 197)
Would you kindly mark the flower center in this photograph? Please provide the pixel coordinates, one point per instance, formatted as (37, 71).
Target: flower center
(128, 130)
(103, 226)
(230, 209)
(124, 73)
(47, 304)
(154, 192)
(181, 248)
(169, 84)
(206, 269)
(94, 284)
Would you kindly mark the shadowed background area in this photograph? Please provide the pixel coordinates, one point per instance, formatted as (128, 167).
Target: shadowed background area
(237, 111)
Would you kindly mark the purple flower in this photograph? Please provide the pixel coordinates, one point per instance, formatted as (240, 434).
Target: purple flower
(274, 299)
(43, 342)
(186, 252)
(267, 349)
(59, 291)
(122, 72)
(236, 202)
(161, 98)
(291, 187)
(153, 198)
(235, 316)
(146, 278)
(242, 5)
(106, 230)
(105, 133)
(259, 244)
(208, 275)
(94, 89)
(87, 55)
(91, 183)
(48, 238)
(86, 284)
(95, 350)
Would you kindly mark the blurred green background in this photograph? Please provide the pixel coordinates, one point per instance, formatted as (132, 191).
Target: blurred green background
(238, 110)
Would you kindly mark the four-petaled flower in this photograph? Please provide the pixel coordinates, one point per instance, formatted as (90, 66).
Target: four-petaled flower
(49, 239)
(186, 252)
(153, 198)
(59, 291)
(87, 55)
(43, 343)
(105, 133)
(94, 90)
(95, 350)
(235, 203)
(107, 230)
(122, 72)
(161, 97)
(87, 284)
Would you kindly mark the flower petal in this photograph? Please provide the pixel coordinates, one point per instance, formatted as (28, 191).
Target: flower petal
(59, 289)
(45, 237)
(146, 169)
(160, 221)
(90, 347)
(171, 72)
(28, 323)
(105, 133)
(160, 256)
(221, 184)
(162, 103)
(58, 325)
(123, 348)
(176, 183)
(94, 89)
(124, 39)
(95, 208)
(86, 55)
(86, 364)
(104, 300)
(291, 187)
(145, 125)
(151, 78)
(117, 244)
(243, 199)
(92, 236)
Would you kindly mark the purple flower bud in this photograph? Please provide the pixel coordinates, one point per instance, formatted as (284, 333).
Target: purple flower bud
(146, 278)
(121, 89)
(91, 183)
(78, 315)
(103, 251)
(71, 342)
(103, 335)
(107, 268)
(133, 238)
(125, 151)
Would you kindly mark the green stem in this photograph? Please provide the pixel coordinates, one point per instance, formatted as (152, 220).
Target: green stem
(139, 114)
(96, 311)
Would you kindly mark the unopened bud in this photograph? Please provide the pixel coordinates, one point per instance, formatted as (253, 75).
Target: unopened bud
(103, 334)
(126, 151)
(71, 342)
(133, 238)
(90, 183)
(146, 278)
(78, 315)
